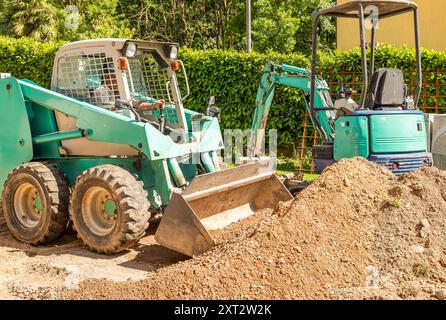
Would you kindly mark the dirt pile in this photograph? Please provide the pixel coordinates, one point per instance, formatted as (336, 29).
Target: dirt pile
(356, 232)
(409, 244)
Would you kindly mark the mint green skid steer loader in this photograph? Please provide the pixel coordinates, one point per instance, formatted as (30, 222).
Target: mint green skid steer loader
(110, 144)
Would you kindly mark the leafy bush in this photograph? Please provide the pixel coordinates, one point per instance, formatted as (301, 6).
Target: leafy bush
(26, 58)
(233, 79)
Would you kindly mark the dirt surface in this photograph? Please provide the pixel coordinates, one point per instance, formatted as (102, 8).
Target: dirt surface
(28, 272)
(358, 232)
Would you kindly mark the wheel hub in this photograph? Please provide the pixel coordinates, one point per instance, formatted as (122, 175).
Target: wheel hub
(28, 205)
(99, 210)
(38, 203)
(110, 208)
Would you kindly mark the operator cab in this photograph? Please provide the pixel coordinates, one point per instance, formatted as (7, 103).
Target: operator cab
(137, 79)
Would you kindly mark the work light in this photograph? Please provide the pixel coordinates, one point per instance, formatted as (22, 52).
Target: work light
(130, 50)
(172, 52)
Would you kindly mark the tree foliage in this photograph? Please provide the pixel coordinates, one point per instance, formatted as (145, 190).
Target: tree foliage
(279, 25)
(37, 19)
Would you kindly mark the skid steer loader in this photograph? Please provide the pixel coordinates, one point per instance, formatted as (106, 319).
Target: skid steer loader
(110, 144)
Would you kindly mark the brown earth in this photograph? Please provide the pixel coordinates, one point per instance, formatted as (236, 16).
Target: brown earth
(357, 232)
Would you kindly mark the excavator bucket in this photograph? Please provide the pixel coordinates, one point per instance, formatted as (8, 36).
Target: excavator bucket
(215, 200)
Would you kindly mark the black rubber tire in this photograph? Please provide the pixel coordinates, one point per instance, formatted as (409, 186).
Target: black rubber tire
(132, 209)
(54, 193)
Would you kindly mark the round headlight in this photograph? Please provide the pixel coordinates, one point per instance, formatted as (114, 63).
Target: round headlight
(173, 52)
(130, 50)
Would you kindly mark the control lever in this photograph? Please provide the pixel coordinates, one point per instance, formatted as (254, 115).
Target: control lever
(123, 104)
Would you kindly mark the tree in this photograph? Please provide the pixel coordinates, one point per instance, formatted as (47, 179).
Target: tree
(37, 19)
(96, 19)
(274, 27)
(286, 25)
(327, 27)
(194, 23)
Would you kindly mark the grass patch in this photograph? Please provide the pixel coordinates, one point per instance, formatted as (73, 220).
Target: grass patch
(419, 269)
(289, 165)
(395, 202)
(311, 176)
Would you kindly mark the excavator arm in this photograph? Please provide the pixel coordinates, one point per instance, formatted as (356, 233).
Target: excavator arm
(321, 116)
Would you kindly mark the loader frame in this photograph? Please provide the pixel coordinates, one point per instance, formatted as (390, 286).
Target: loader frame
(38, 138)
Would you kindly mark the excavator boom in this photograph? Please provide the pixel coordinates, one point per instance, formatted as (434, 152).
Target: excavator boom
(293, 77)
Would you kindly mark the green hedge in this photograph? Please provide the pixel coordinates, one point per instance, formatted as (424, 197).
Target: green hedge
(25, 58)
(233, 77)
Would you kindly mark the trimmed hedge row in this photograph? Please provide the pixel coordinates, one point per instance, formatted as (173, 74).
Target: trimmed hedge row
(26, 58)
(231, 77)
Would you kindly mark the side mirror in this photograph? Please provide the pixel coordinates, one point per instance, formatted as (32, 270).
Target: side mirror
(211, 101)
(122, 104)
(212, 110)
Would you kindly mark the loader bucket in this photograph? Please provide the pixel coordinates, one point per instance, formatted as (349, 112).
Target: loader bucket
(215, 200)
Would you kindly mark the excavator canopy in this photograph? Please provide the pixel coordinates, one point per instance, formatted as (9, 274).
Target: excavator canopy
(385, 8)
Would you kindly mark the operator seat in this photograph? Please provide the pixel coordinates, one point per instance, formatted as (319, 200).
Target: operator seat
(387, 90)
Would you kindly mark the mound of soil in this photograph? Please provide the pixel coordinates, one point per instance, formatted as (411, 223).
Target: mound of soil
(357, 232)
(409, 244)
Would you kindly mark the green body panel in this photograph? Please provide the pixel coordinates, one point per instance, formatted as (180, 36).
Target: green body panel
(352, 138)
(154, 174)
(397, 133)
(16, 145)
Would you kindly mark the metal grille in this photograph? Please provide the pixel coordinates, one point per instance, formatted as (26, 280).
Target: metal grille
(150, 81)
(90, 78)
(432, 100)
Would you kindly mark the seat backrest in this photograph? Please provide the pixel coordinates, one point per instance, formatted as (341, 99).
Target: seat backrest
(387, 89)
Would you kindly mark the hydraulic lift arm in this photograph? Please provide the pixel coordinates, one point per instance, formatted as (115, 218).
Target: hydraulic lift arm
(321, 116)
